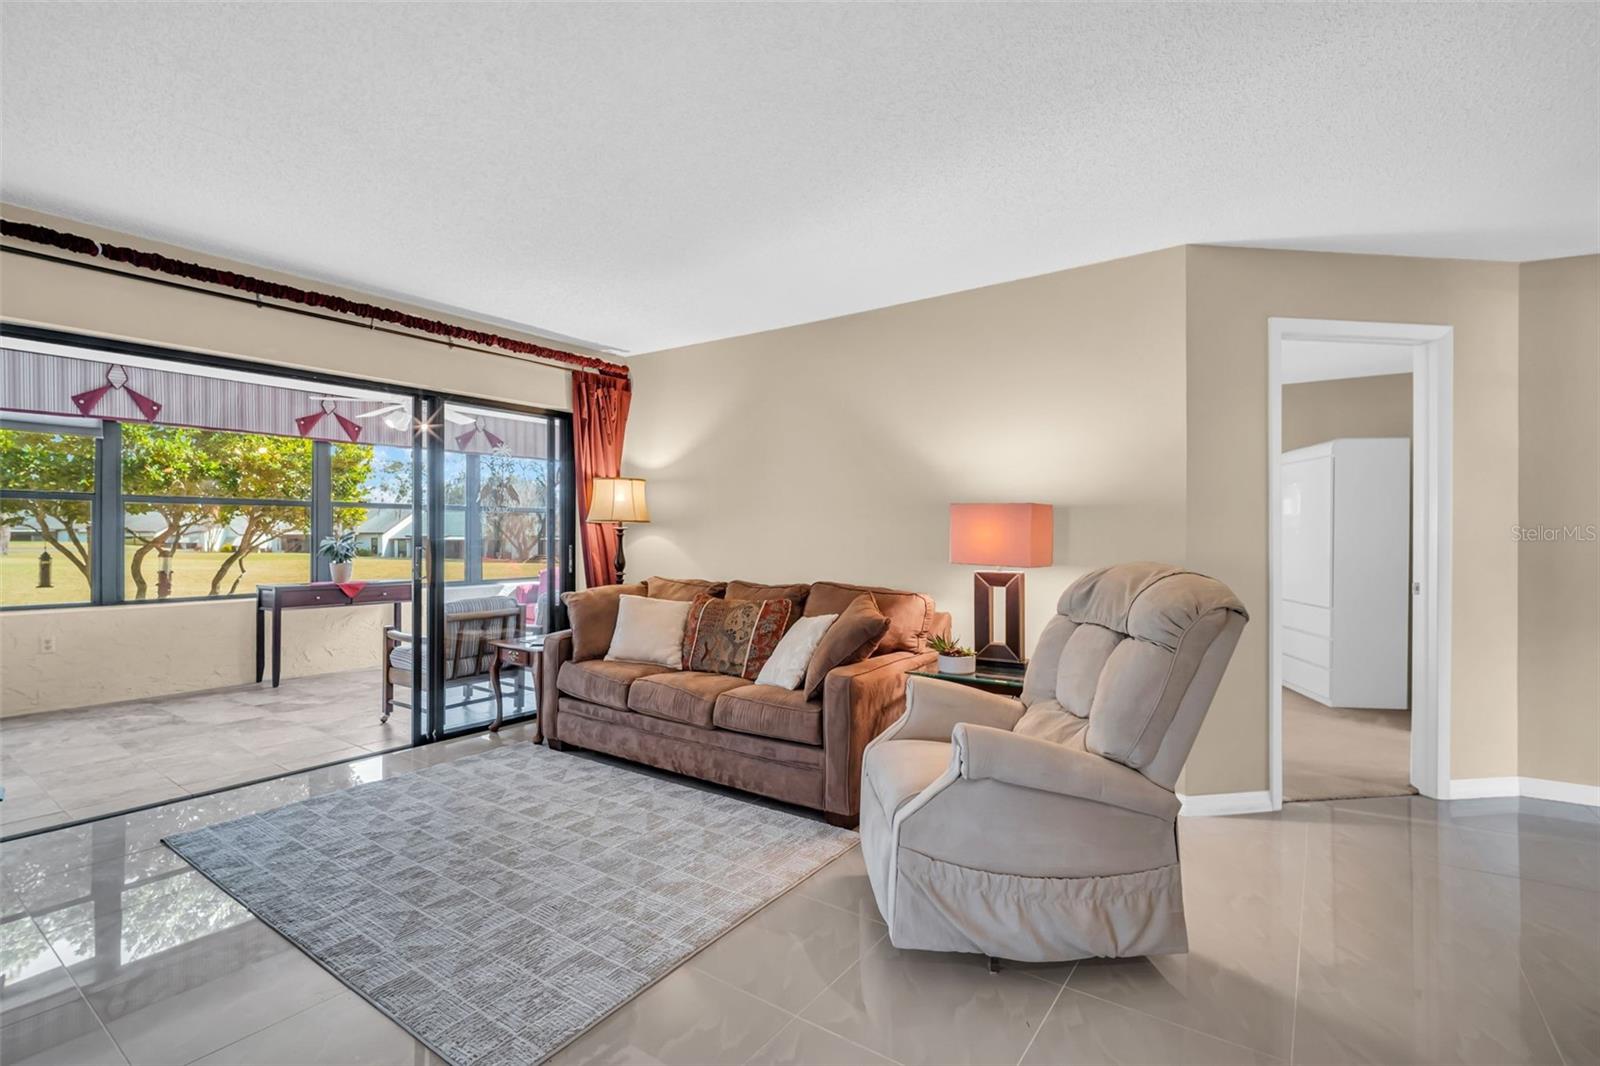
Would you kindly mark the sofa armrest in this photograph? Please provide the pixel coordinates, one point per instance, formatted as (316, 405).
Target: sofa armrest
(557, 651)
(858, 701)
(934, 708)
(985, 753)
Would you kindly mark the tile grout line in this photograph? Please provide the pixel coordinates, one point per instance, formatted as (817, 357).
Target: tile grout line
(1300, 943)
(82, 995)
(1045, 1017)
(343, 991)
(1523, 973)
(1175, 1025)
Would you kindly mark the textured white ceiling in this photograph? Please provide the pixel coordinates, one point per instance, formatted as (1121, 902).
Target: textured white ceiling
(648, 175)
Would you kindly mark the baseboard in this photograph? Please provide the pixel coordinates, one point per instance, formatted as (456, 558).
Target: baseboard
(1532, 787)
(1216, 804)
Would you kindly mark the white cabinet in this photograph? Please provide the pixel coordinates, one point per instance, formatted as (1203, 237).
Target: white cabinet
(1347, 572)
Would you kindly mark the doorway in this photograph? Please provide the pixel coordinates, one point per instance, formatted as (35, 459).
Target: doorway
(1358, 542)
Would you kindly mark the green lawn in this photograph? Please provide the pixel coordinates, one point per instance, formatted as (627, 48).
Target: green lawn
(192, 573)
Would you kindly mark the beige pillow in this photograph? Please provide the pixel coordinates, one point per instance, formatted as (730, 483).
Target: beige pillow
(649, 631)
(592, 613)
(787, 667)
(853, 636)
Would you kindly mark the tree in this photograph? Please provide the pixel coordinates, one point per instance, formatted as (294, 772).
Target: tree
(511, 528)
(165, 461)
(256, 466)
(50, 462)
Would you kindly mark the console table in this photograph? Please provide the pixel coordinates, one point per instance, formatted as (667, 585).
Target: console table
(275, 599)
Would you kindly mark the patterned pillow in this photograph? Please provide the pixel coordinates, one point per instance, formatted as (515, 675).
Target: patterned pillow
(734, 637)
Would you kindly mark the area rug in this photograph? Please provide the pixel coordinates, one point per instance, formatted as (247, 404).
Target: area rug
(499, 905)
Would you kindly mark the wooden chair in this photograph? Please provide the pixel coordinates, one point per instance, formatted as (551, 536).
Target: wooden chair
(470, 627)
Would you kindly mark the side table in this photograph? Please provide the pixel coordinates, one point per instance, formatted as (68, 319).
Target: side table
(999, 678)
(525, 652)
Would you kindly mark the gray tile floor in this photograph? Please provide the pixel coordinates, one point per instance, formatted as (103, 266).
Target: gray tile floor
(1388, 930)
(62, 766)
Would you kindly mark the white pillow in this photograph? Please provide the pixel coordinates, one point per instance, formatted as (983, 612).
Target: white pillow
(787, 666)
(649, 631)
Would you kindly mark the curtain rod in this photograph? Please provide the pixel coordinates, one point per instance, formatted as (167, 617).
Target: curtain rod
(263, 291)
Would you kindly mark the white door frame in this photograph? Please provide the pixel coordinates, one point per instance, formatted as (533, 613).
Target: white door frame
(1431, 433)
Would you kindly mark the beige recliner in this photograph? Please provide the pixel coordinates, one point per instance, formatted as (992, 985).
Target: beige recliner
(1045, 828)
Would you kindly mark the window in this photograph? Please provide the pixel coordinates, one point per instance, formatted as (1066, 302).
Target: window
(129, 478)
(371, 487)
(213, 513)
(47, 481)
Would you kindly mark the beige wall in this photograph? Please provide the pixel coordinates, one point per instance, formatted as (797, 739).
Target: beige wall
(1558, 640)
(1317, 411)
(833, 450)
(1231, 294)
(136, 652)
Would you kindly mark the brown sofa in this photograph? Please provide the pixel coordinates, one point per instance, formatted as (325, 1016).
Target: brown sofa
(758, 738)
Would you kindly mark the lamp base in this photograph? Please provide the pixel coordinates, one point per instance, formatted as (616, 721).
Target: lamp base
(1010, 649)
(622, 563)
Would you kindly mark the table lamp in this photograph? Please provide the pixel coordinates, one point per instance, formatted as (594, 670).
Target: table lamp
(619, 500)
(1000, 534)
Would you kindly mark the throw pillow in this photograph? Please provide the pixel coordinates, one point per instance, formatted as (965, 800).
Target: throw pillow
(787, 667)
(734, 638)
(748, 590)
(853, 636)
(670, 588)
(593, 616)
(649, 631)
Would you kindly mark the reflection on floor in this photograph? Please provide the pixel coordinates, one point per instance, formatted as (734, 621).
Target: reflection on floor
(63, 766)
(1340, 753)
(1388, 930)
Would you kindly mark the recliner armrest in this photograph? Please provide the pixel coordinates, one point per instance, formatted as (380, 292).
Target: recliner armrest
(934, 708)
(1028, 762)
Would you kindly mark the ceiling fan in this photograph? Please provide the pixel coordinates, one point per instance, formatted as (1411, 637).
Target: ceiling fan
(397, 417)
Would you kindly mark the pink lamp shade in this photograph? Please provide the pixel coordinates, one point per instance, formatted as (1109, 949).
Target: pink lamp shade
(1002, 534)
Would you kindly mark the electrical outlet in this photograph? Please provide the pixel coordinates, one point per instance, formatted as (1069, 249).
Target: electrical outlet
(47, 645)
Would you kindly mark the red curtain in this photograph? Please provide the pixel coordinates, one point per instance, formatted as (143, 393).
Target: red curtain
(599, 417)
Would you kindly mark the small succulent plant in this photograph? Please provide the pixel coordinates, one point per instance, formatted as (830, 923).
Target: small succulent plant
(949, 646)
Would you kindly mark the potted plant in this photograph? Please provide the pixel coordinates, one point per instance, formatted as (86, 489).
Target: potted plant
(953, 658)
(341, 554)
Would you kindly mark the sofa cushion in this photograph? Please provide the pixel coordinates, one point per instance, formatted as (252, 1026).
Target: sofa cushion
(601, 681)
(687, 696)
(854, 636)
(734, 637)
(910, 614)
(765, 711)
(593, 615)
(671, 588)
(897, 770)
(747, 590)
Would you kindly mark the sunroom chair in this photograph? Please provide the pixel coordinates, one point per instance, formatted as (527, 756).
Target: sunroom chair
(469, 626)
(1045, 828)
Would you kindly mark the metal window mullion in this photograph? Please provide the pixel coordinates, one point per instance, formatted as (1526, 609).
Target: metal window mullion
(106, 534)
(472, 538)
(434, 637)
(321, 506)
(228, 501)
(46, 494)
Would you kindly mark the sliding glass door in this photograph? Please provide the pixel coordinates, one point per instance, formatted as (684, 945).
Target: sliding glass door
(495, 556)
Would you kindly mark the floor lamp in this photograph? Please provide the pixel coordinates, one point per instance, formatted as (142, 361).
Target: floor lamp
(620, 500)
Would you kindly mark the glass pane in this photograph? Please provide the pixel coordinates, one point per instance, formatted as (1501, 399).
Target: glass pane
(214, 549)
(383, 540)
(172, 461)
(455, 478)
(30, 530)
(455, 543)
(508, 482)
(46, 462)
(513, 545)
(372, 473)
